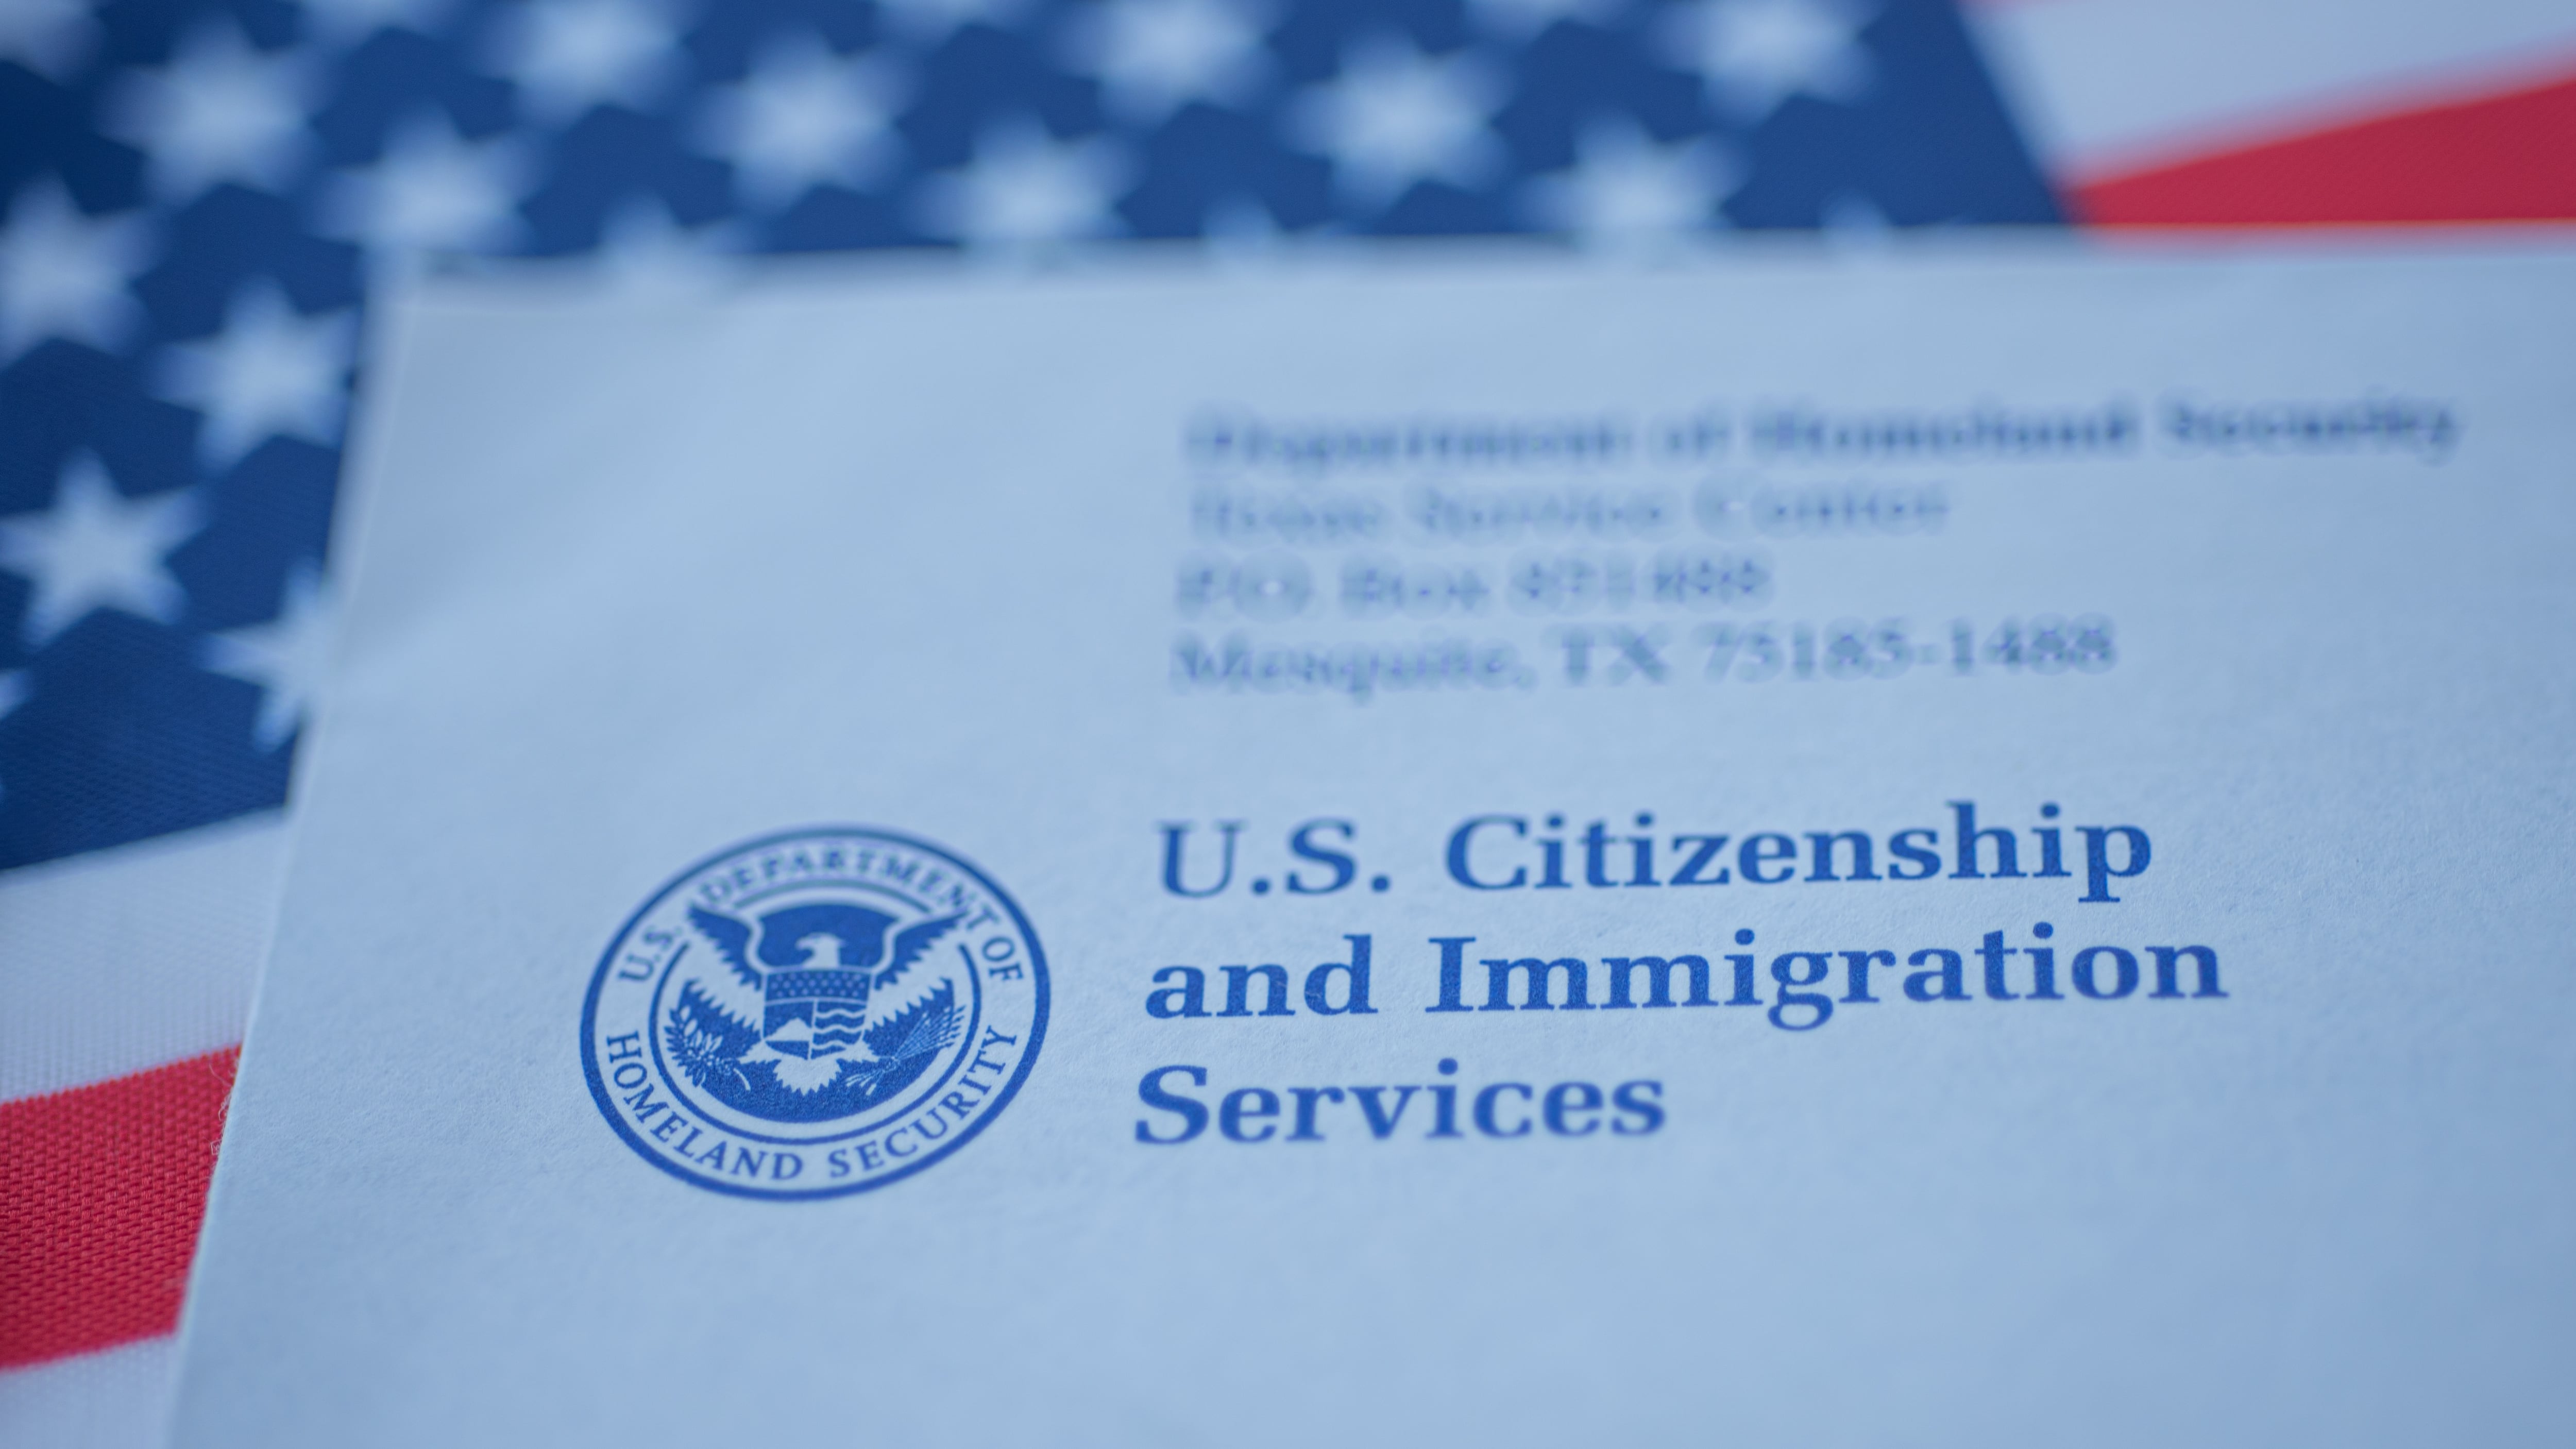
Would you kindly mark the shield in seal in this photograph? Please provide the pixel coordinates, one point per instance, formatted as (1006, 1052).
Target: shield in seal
(814, 1013)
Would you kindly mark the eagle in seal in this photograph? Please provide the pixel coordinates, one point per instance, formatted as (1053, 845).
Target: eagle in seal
(804, 1025)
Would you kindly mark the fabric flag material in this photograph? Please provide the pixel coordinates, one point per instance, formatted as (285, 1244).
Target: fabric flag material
(2294, 112)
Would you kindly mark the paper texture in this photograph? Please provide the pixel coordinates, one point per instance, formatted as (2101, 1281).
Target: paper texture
(1946, 850)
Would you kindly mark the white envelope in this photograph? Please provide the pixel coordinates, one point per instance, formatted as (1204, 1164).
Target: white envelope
(1964, 848)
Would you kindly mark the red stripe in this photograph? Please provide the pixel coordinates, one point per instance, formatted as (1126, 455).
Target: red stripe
(2504, 157)
(99, 1206)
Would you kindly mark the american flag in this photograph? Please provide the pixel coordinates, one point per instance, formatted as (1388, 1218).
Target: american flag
(195, 196)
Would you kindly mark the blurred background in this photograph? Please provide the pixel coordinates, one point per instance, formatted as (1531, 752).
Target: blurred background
(196, 196)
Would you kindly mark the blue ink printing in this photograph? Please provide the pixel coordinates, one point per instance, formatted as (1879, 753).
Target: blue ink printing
(814, 1013)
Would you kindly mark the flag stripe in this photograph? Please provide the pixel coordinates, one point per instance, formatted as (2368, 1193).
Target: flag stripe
(100, 1206)
(2504, 157)
(2114, 87)
(123, 960)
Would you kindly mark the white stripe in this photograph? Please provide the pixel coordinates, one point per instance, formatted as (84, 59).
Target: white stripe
(2106, 86)
(118, 1398)
(130, 958)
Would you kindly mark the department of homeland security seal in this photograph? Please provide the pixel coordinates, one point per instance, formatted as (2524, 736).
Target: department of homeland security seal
(814, 1013)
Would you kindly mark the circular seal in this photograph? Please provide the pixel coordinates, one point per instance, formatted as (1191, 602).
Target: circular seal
(814, 1013)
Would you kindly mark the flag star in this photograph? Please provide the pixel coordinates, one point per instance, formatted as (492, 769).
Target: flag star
(1624, 189)
(1396, 116)
(63, 274)
(1154, 56)
(1754, 54)
(95, 549)
(432, 191)
(804, 117)
(270, 371)
(1521, 19)
(1023, 188)
(1851, 220)
(286, 657)
(931, 21)
(347, 22)
(1240, 227)
(644, 251)
(219, 111)
(50, 37)
(567, 56)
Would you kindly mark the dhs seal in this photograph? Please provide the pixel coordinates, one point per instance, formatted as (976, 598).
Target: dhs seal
(816, 1013)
